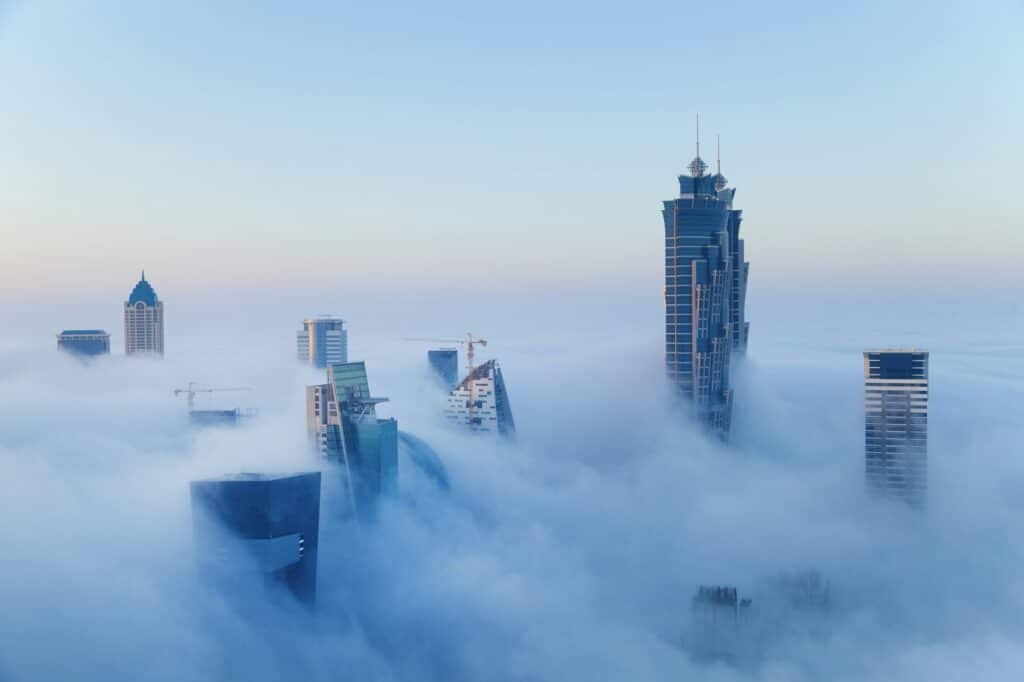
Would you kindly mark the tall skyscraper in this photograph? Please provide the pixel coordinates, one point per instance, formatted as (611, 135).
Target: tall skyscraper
(143, 320)
(705, 292)
(262, 524)
(444, 362)
(896, 424)
(322, 341)
(85, 342)
(480, 402)
(342, 422)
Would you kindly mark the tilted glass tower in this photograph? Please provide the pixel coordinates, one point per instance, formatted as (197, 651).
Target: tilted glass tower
(896, 424)
(705, 292)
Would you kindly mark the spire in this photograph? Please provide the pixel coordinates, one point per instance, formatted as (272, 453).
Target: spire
(697, 166)
(718, 153)
(143, 275)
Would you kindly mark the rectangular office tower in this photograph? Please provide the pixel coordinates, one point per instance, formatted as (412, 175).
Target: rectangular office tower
(705, 293)
(444, 363)
(263, 526)
(896, 424)
(85, 342)
(322, 341)
(342, 422)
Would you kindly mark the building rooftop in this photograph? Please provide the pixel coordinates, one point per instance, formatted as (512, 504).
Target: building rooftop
(143, 293)
(84, 332)
(252, 476)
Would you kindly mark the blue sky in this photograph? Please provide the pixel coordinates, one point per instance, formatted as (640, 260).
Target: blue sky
(525, 145)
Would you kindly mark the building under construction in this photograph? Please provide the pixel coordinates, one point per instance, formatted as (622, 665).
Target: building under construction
(480, 402)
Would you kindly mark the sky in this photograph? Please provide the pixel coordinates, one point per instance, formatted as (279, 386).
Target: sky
(392, 147)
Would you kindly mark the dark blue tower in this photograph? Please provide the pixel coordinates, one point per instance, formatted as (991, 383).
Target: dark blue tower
(263, 524)
(705, 293)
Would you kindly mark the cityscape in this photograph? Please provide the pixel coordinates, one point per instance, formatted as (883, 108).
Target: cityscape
(546, 443)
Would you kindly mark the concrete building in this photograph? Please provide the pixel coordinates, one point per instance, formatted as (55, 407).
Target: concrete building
(143, 321)
(322, 341)
(480, 402)
(259, 525)
(85, 342)
(343, 425)
(444, 362)
(705, 293)
(896, 424)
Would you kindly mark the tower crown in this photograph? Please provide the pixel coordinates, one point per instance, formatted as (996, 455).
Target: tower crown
(143, 293)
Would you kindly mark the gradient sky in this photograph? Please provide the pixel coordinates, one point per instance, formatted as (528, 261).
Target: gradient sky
(403, 146)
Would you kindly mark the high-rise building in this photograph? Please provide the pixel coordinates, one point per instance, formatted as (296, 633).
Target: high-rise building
(896, 424)
(342, 423)
(143, 320)
(444, 362)
(85, 342)
(322, 341)
(718, 623)
(480, 402)
(265, 525)
(705, 292)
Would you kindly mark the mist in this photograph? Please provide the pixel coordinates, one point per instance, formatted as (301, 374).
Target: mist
(572, 553)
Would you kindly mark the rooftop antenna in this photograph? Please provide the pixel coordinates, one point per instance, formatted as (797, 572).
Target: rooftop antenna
(698, 135)
(718, 152)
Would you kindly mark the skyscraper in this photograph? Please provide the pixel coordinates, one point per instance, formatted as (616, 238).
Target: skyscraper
(85, 342)
(896, 424)
(342, 422)
(705, 292)
(143, 320)
(262, 524)
(444, 362)
(322, 341)
(480, 402)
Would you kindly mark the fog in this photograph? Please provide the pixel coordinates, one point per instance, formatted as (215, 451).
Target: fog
(572, 554)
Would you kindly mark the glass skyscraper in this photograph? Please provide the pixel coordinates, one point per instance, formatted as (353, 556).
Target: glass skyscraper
(85, 342)
(444, 362)
(896, 424)
(705, 293)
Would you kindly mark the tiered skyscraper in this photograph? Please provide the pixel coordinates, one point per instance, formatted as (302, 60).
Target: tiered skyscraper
(896, 424)
(705, 292)
(143, 320)
(322, 341)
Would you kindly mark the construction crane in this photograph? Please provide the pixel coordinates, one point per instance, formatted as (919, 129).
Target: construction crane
(469, 342)
(192, 390)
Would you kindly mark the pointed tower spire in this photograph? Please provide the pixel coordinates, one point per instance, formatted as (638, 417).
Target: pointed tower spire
(143, 274)
(697, 116)
(697, 166)
(718, 153)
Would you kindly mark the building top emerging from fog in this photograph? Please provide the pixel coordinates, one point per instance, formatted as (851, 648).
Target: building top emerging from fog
(896, 423)
(322, 341)
(480, 402)
(705, 292)
(143, 320)
(86, 342)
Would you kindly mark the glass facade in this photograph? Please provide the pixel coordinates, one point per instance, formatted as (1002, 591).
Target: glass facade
(705, 293)
(269, 522)
(85, 342)
(444, 362)
(322, 341)
(896, 424)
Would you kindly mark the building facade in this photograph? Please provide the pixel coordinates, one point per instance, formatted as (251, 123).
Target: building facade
(259, 525)
(444, 363)
(480, 403)
(322, 341)
(343, 425)
(896, 424)
(143, 321)
(85, 342)
(705, 293)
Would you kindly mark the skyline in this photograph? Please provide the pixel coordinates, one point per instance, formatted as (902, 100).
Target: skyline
(361, 143)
